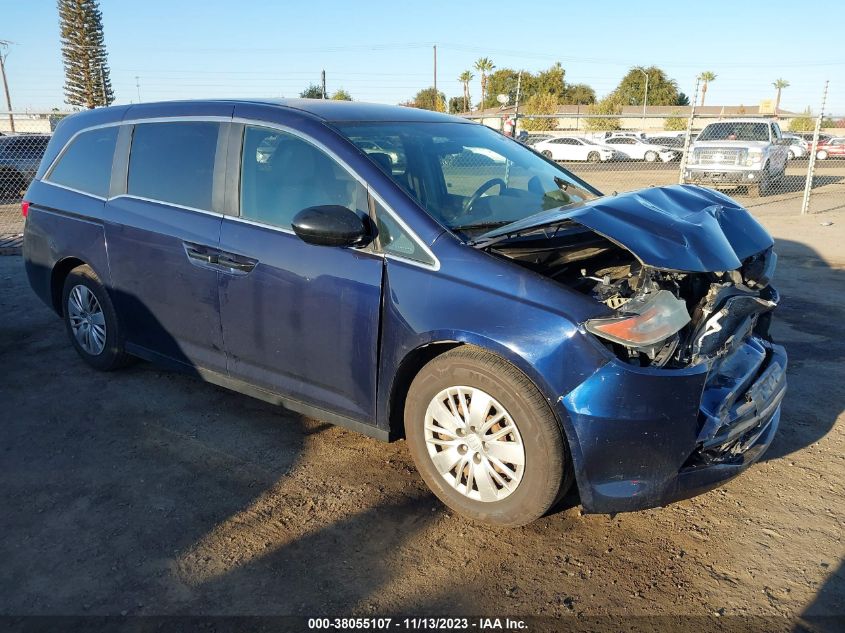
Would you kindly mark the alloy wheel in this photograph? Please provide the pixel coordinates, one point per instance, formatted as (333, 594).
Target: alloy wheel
(87, 321)
(474, 443)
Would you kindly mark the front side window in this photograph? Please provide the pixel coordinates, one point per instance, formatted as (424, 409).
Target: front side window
(86, 164)
(466, 176)
(282, 174)
(173, 162)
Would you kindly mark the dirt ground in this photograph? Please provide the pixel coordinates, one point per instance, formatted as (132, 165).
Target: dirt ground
(146, 492)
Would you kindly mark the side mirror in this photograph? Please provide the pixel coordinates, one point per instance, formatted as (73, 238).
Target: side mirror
(331, 225)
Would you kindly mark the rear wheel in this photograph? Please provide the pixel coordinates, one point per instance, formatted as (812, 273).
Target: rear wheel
(484, 439)
(791, 155)
(547, 154)
(650, 156)
(594, 157)
(91, 321)
(821, 154)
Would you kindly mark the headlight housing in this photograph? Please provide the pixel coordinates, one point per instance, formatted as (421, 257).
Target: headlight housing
(754, 157)
(646, 321)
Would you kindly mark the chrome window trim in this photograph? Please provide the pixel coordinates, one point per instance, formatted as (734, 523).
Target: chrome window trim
(79, 191)
(257, 123)
(132, 196)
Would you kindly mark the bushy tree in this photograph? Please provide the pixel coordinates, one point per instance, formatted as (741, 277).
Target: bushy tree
(456, 105)
(804, 123)
(313, 91)
(675, 122)
(430, 99)
(87, 79)
(661, 89)
(574, 94)
(608, 105)
(548, 82)
(503, 81)
(341, 95)
(540, 104)
(682, 100)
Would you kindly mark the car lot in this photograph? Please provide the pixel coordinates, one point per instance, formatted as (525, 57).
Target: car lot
(147, 492)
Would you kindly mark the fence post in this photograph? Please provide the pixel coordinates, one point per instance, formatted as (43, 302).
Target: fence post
(685, 154)
(811, 166)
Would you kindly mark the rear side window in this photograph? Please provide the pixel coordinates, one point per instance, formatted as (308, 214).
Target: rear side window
(86, 164)
(173, 162)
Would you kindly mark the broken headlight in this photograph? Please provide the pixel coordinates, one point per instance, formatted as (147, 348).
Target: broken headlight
(646, 322)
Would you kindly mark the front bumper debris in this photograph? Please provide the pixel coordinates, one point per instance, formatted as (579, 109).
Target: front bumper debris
(647, 437)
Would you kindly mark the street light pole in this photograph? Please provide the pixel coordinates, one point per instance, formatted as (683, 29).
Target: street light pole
(645, 97)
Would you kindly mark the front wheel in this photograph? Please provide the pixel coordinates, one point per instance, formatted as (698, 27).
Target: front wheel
(91, 320)
(594, 157)
(484, 439)
(547, 154)
(821, 155)
(791, 155)
(651, 156)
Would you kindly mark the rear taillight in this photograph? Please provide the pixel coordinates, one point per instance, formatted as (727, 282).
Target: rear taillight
(24, 208)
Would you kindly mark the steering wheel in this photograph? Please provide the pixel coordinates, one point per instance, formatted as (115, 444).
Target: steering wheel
(482, 190)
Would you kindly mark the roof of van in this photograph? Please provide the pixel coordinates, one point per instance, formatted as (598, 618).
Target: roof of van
(324, 109)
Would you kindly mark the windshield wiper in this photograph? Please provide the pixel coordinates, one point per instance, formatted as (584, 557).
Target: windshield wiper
(481, 225)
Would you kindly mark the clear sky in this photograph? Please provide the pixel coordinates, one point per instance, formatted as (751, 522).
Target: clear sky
(382, 51)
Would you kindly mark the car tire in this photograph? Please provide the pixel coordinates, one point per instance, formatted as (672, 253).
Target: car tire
(650, 156)
(547, 154)
(91, 321)
(594, 157)
(821, 155)
(791, 155)
(504, 493)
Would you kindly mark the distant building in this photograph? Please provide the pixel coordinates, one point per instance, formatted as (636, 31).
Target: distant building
(573, 117)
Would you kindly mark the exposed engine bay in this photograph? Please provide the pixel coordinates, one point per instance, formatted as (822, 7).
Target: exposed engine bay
(660, 317)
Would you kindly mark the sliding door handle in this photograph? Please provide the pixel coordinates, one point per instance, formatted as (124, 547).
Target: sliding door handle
(236, 263)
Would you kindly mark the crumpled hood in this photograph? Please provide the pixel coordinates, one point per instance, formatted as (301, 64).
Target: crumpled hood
(679, 227)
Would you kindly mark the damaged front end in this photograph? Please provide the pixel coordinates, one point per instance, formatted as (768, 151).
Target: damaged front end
(681, 278)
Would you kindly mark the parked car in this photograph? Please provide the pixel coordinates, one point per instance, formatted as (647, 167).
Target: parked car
(521, 330)
(675, 143)
(531, 139)
(797, 147)
(573, 148)
(834, 148)
(808, 137)
(635, 149)
(19, 159)
(739, 152)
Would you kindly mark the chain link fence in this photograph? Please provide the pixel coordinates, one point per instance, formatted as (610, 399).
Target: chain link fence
(23, 139)
(753, 158)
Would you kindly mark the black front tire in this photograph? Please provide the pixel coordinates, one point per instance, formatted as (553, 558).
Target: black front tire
(113, 355)
(547, 471)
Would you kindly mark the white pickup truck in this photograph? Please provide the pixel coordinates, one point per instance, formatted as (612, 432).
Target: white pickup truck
(750, 153)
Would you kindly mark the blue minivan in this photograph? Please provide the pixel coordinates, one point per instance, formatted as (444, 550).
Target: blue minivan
(410, 274)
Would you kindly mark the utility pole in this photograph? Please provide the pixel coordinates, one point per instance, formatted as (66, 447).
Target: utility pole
(811, 168)
(516, 103)
(435, 71)
(138, 87)
(4, 44)
(645, 98)
(323, 80)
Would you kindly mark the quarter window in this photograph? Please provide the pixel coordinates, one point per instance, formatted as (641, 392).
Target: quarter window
(173, 162)
(282, 174)
(86, 164)
(395, 240)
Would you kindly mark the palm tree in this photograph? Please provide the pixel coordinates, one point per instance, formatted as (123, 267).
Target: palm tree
(484, 65)
(466, 77)
(779, 85)
(706, 77)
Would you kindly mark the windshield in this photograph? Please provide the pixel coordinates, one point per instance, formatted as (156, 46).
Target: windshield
(466, 176)
(727, 131)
